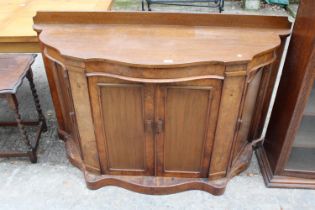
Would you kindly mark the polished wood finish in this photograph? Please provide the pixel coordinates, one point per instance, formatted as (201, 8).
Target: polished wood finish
(126, 138)
(16, 33)
(291, 100)
(13, 69)
(144, 110)
(186, 111)
(243, 22)
(204, 41)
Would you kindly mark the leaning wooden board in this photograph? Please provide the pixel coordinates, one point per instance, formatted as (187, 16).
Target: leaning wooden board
(160, 102)
(17, 35)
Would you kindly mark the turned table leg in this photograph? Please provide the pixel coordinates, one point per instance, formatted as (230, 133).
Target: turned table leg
(41, 116)
(13, 103)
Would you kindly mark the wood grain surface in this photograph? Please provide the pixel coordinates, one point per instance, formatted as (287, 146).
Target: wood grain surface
(159, 98)
(17, 35)
(288, 112)
(13, 68)
(170, 45)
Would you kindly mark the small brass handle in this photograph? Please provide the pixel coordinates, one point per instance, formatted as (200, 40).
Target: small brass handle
(159, 126)
(156, 127)
(148, 125)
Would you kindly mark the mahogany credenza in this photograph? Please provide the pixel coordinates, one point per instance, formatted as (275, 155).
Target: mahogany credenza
(287, 157)
(160, 102)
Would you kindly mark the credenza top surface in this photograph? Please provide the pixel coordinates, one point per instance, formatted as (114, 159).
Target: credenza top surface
(142, 39)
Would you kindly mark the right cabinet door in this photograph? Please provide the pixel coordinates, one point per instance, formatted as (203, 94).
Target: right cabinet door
(185, 117)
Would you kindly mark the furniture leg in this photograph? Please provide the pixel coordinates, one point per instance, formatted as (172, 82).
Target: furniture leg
(13, 103)
(41, 116)
(221, 6)
(142, 5)
(149, 5)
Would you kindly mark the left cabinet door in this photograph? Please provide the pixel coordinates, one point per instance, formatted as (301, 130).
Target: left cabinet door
(123, 117)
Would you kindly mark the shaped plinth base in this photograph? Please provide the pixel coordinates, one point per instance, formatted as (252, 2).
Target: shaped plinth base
(153, 184)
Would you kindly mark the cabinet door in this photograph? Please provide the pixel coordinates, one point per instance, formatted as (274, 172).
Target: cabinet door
(123, 114)
(186, 115)
(302, 156)
(61, 81)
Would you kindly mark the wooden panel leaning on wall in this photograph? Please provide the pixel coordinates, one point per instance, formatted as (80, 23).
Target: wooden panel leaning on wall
(144, 110)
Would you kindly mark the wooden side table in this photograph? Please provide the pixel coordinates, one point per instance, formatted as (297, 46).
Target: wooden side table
(13, 69)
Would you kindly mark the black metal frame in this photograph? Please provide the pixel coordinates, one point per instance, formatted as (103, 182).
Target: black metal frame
(190, 3)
